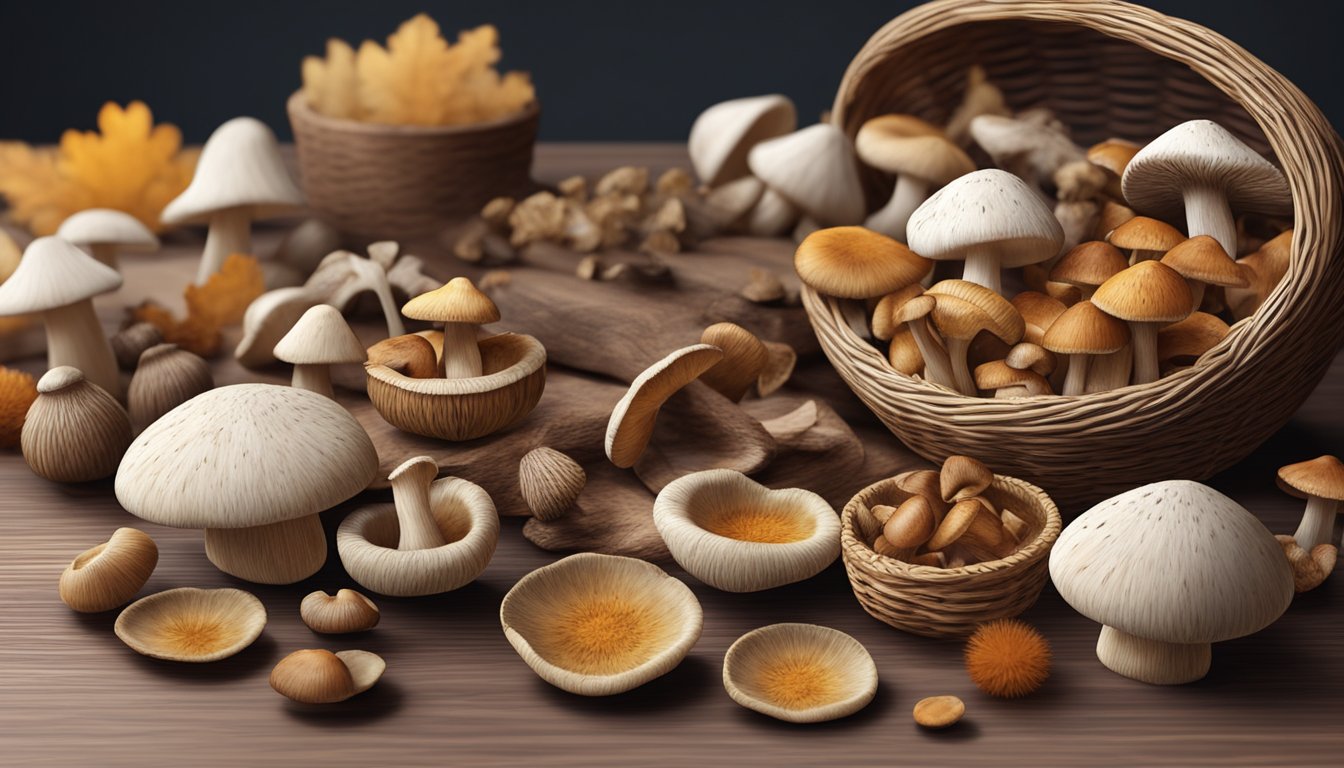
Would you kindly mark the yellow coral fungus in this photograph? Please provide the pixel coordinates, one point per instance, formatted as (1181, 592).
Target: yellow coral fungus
(17, 393)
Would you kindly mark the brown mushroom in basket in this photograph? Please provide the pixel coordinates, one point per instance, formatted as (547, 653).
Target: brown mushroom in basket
(1145, 238)
(1082, 332)
(1264, 269)
(857, 263)
(1203, 262)
(1185, 342)
(1088, 265)
(1148, 296)
(1006, 381)
(962, 310)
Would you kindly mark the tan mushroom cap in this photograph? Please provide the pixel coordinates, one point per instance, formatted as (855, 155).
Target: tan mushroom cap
(1142, 233)
(997, 314)
(320, 336)
(1038, 312)
(240, 167)
(744, 357)
(1113, 154)
(723, 134)
(1028, 356)
(814, 169)
(1191, 337)
(633, 418)
(1148, 292)
(800, 673)
(1089, 264)
(192, 625)
(857, 263)
(962, 477)
(550, 482)
(1322, 477)
(885, 315)
(106, 226)
(1083, 329)
(1201, 258)
(904, 144)
(988, 209)
(53, 273)
(997, 374)
(318, 676)
(245, 455)
(458, 301)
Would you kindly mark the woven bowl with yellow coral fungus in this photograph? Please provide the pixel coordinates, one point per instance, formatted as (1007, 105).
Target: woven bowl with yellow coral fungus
(18, 390)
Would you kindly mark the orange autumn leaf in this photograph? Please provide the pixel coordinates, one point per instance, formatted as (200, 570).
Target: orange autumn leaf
(223, 298)
(18, 390)
(190, 333)
(128, 164)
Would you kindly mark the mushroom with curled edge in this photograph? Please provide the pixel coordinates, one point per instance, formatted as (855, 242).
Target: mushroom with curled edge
(316, 676)
(815, 170)
(962, 477)
(1264, 269)
(1207, 571)
(963, 309)
(436, 536)
(1082, 332)
(1088, 265)
(1025, 356)
(744, 357)
(991, 220)
(252, 464)
(1321, 482)
(1201, 168)
(1203, 262)
(854, 264)
(320, 339)
(1185, 342)
(106, 232)
(240, 178)
(58, 281)
(632, 420)
(462, 308)
(1006, 381)
(919, 155)
(1144, 238)
(884, 324)
(1148, 295)
(723, 134)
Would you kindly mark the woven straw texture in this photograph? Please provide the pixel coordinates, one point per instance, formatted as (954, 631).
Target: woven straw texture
(1110, 69)
(374, 181)
(948, 602)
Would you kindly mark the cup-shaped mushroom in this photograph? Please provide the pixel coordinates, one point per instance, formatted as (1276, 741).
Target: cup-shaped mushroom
(437, 536)
(252, 464)
(317, 676)
(1168, 569)
(512, 380)
(192, 625)
(346, 611)
(598, 625)
(74, 431)
(800, 673)
(723, 134)
(110, 574)
(737, 535)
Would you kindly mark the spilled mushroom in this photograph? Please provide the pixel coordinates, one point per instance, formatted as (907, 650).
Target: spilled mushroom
(632, 420)
(108, 575)
(344, 612)
(318, 676)
(1321, 482)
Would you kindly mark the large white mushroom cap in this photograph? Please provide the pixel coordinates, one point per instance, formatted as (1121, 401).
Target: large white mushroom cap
(989, 209)
(723, 134)
(1175, 562)
(815, 169)
(240, 167)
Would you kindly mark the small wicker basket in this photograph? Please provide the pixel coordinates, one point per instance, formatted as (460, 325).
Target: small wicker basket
(948, 602)
(1108, 68)
(372, 181)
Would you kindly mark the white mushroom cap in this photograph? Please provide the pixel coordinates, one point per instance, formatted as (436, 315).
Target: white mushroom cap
(240, 167)
(321, 336)
(985, 209)
(1175, 562)
(723, 134)
(52, 274)
(815, 169)
(1203, 152)
(245, 455)
(105, 226)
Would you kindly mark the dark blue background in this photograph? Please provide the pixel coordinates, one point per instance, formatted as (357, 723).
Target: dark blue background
(604, 70)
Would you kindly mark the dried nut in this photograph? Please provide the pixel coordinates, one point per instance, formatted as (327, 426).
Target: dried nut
(166, 378)
(763, 287)
(550, 482)
(315, 676)
(674, 182)
(109, 575)
(886, 549)
(780, 361)
(573, 188)
(670, 216)
(410, 355)
(581, 234)
(479, 244)
(911, 525)
(536, 218)
(627, 180)
(939, 711)
(744, 359)
(496, 213)
(495, 278)
(660, 241)
(130, 342)
(963, 477)
(589, 268)
(75, 431)
(346, 611)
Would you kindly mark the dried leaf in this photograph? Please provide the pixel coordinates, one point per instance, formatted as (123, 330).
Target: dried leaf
(225, 296)
(190, 334)
(330, 84)
(18, 390)
(129, 164)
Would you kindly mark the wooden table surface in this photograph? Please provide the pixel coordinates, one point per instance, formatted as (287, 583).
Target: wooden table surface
(455, 693)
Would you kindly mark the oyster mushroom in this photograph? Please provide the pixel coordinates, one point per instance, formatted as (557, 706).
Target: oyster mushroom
(320, 339)
(918, 154)
(106, 232)
(58, 281)
(598, 625)
(436, 536)
(252, 464)
(735, 534)
(192, 625)
(800, 673)
(109, 575)
(962, 310)
(1208, 571)
(316, 676)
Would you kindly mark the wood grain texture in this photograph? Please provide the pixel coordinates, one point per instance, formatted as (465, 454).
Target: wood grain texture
(456, 693)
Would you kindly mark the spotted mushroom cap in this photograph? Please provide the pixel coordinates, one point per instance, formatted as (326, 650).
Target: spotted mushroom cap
(990, 209)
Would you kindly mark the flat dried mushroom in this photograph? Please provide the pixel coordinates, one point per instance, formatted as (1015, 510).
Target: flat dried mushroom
(192, 625)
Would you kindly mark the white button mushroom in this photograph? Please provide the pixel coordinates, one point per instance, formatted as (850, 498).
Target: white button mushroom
(815, 169)
(105, 232)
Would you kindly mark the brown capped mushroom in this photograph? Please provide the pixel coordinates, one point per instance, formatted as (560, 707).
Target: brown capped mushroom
(962, 310)
(1088, 265)
(1082, 332)
(915, 315)
(1148, 296)
(1183, 343)
(410, 355)
(462, 309)
(1264, 269)
(1321, 482)
(1038, 312)
(1145, 238)
(744, 358)
(165, 378)
(963, 477)
(74, 432)
(911, 524)
(857, 263)
(109, 575)
(315, 676)
(1203, 262)
(1006, 381)
(918, 154)
(344, 612)
(131, 342)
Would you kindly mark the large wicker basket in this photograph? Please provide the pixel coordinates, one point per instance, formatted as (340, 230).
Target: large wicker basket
(948, 602)
(373, 181)
(1109, 68)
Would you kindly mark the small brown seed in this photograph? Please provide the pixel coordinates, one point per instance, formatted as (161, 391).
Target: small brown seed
(939, 711)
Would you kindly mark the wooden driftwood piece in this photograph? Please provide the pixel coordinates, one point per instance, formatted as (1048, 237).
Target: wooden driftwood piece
(614, 516)
(700, 429)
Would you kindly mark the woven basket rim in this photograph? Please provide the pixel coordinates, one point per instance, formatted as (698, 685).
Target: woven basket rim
(299, 108)
(860, 554)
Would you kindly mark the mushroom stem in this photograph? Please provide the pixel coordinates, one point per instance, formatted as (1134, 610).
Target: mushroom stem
(1152, 661)
(1207, 213)
(279, 553)
(391, 315)
(75, 338)
(982, 267)
(314, 378)
(937, 365)
(461, 352)
(1143, 339)
(890, 220)
(1075, 382)
(104, 252)
(415, 519)
(1111, 371)
(1318, 522)
(230, 232)
(957, 350)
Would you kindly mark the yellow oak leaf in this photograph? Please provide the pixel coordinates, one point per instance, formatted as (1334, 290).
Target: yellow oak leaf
(404, 83)
(330, 84)
(17, 393)
(223, 298)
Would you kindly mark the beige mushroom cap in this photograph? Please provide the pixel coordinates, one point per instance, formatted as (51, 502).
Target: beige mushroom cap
(814, 169)
(192, 625)
(800, 673)
(53, 273)
(857, 263)
(633, 418)
(1175, 562)
(1322, 477)
(321, 336)
(245, 455)
(986, 209)
(1085, 330)
(106, 226)
(240, 167)
(458, 301)
(723, 134)
(1201, 258)
(904, 144)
